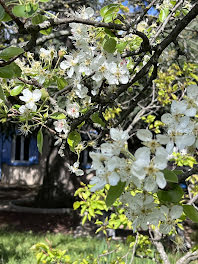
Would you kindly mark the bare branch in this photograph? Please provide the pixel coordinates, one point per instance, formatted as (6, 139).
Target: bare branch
(145, 11)
(162, 27)
(188, 257)
(53, 35)
(159, 246)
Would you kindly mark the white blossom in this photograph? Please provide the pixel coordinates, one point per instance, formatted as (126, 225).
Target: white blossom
(73, 110)
(75, 169)
(30, 98)
(61, 125)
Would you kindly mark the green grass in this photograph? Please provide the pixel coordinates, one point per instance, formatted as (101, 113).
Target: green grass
(15, 247)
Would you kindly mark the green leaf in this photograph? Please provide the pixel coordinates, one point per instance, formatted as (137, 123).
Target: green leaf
(17, 90)
(44, 1)
(16, 69)
(31, 8)
(20, 11)
(96, 119)
(163, 14)
(121, 46)
(170, 176)
(191, 212)
(2, 12)
(73, 140)
(10, 52)
(5, 72)
(2, 96)
(173, 196)
(84, 219)
(111, 13)
(110, 45)
(25, 10)
(173, 2)
(109, 32)
(108, 18)
(103, 11)
(76, 205)
(46, 31)
(40, 141)
(37, 19)
(61, 83)
(194, 76)
(10, 71)
(114, 193)
(82, 124)
(178, 172)
(58, 116)
(6, 18)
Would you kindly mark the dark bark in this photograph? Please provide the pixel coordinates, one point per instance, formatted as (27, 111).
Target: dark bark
(58, 185)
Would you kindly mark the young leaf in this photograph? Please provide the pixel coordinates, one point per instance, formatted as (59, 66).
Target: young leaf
(191, 212)
(61, 83)
(38, 19)
(96, 119)
(58, 116)
(10, 52)
(40, 141)
(19, 11)
(46, 31)
(121, 46)
(73, 140)
(170, 176)
(114, 193)
(25, 10)
(111, 13)
(163, 14)
(76, 205)
(16, 90)
(103, 11)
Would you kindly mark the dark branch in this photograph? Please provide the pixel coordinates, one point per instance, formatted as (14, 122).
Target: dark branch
(16, 19)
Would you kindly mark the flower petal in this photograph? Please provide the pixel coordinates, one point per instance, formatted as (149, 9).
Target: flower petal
(144, 135)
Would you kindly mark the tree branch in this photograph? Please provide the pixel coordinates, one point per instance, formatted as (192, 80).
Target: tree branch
(159, 246)
(162, 27)
(158, 50)
(186, 259)
(16, 19)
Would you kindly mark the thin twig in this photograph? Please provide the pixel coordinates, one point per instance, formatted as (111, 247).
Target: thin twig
(134, 249)
(161, 27)
(145, 11)
(16, 19)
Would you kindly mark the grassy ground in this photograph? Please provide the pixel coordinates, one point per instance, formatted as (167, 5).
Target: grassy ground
(15, 247)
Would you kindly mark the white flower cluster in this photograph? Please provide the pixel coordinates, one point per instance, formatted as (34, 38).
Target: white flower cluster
(107, 163)
(181, 123)
(144, 170)
(142, 210)
(90, 60)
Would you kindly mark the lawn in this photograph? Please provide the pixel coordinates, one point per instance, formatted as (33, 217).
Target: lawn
(15, 247)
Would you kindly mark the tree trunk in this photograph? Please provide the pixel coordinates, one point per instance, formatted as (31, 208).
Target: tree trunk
(58, 185)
